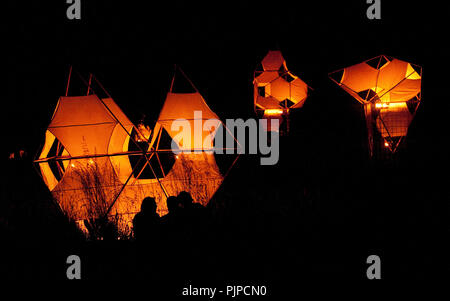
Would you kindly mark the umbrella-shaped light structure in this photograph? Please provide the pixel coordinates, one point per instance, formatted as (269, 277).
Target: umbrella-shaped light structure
(390, 91)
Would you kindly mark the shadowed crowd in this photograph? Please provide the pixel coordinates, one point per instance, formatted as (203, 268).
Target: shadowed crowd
(184, 220)
(171, 241)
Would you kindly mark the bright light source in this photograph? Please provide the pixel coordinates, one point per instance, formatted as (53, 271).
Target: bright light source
(386, 144)
(397, 104)
(73, 165)
(273, 112)
(176, 156)
(381, 105)
(384, 105)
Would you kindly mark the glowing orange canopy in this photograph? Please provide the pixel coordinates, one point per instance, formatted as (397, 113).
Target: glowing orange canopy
(84, 127)
(389, 89)
(383, 79)
(184, 106)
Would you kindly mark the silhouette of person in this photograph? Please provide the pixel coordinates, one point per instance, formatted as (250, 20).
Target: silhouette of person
(171, 223)
(193, 214)
(146, 223)
(186, 200)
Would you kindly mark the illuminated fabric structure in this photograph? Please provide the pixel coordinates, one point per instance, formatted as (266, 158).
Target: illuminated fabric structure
(94, 166)
(276, 89)
(390, 91)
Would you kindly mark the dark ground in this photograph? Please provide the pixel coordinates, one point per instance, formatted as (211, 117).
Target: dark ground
(316, 215)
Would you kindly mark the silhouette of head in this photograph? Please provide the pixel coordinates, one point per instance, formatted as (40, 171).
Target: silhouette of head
(148, 205)
(185, 199)
(172, 203)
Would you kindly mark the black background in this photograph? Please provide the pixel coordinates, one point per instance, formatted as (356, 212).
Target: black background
(322, 210)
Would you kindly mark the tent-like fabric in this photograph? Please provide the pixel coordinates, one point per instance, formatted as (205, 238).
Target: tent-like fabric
(87, 133)
(195, 169)
(390, 90)
(275, 87)
(86, 159)
(192, 108)
(276, 90)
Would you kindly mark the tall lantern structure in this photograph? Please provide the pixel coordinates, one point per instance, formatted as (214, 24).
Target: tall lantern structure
(390, 91)
(276, 90)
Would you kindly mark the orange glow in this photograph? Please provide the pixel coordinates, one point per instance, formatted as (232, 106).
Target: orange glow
(381, 105)
(275, 87)
(273, 112)
(389, 105)
(390, 90)
(143, 133)
(96, 133)
(393, 80)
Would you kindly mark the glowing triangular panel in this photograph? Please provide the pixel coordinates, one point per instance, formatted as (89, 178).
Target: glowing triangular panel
(188, 111)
